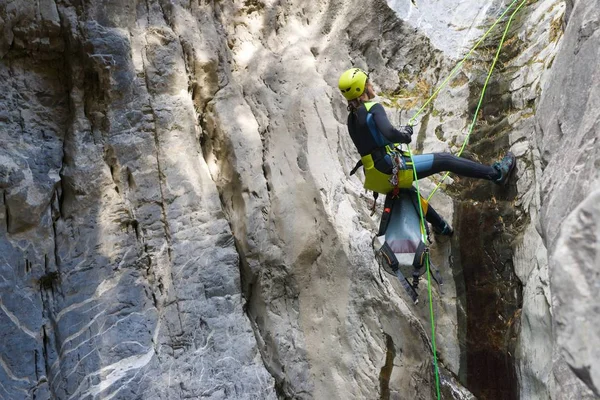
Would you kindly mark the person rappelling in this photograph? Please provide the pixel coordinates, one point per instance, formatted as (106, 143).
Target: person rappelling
(389, 170)
(386, 166)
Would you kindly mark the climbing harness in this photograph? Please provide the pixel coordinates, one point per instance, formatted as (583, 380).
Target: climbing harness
(376, 180)
(386, 253)
(380, 182)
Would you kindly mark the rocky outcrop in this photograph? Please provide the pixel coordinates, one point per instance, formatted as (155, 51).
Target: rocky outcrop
(120, 274)
(451, 26)
(144, 168)
(568, 137)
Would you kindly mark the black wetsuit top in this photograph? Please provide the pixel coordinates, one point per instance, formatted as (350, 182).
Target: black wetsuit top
(362, 137)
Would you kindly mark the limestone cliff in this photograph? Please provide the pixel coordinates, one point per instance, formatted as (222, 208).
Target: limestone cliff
(177, 218)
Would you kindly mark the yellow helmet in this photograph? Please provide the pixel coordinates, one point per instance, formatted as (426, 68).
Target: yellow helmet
(352, 83)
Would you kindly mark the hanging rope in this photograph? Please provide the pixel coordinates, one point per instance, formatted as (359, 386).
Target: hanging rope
(424, 239)
(459, 65)
(487, 80)
(422, 219)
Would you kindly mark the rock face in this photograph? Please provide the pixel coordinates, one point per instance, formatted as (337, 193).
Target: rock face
(452, 26)
(120, 275)
(177, 218)
(568, 136)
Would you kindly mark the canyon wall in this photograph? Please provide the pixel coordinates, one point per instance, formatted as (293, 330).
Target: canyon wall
(178, 219)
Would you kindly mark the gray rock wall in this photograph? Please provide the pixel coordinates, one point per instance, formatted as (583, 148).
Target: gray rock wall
(120, 273)
(452, 26)
(321, 308)
(160, 160)
(568, 136)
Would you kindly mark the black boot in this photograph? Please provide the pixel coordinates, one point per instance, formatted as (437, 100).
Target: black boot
(505, 167)
(443, 229)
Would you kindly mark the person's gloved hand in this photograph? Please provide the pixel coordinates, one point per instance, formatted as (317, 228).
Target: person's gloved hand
(403, 134)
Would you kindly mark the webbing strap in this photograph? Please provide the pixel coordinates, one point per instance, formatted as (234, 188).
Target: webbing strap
(377, 137)
(356, 167)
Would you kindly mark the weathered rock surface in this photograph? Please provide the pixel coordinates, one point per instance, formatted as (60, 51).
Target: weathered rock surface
(120, 276)
(575, 281)
(452, 26)
(177, 219)
(568, 136)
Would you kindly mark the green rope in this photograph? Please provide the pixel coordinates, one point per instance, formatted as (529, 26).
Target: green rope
(422, 222)
(487, 80)
(457, 67)
(424, 239)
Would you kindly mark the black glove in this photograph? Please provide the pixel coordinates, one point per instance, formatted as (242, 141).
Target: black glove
(402, 135)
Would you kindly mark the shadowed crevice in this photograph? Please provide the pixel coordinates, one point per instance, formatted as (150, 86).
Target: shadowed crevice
(386, 371)
(493, 300)
(6, 212)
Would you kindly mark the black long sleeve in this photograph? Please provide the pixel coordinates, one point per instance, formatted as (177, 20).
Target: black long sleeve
(368, 139)
(402, 135)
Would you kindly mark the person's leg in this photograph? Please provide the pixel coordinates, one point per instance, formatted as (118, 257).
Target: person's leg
(429, 164)
(433, 217)
(440, 226)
